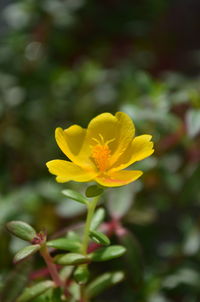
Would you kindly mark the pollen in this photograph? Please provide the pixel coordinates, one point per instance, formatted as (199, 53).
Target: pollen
(101, 154)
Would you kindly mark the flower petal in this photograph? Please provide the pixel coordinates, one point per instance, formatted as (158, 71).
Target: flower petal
(70, 142)
(117, 179)
(118, 129)
(140, 148)
(66, 171)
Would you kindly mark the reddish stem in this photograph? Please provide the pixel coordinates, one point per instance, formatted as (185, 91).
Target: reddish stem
(51, 266)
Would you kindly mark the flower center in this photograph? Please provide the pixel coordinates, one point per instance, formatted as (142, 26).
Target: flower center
(101, 153)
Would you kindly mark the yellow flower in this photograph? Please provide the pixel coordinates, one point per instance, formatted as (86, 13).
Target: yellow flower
(101, 151)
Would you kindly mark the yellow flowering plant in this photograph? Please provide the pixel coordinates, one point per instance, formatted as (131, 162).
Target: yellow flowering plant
(100, 153)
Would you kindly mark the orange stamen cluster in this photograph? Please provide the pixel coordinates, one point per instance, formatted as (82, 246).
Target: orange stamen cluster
(101, 153)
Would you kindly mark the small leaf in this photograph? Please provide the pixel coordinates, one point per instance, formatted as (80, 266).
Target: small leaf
(75, 196)
(65, 272)
(103, 282)
(107, 253)
(65, 244)
(35, 290)
(93, 191)
(74, 289)
(81, 274)
(71, 258)
(21, 229)
(97, 218)
(99, 237)
(26, 251)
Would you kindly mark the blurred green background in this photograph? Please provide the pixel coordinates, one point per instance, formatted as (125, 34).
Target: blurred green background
(63, 62)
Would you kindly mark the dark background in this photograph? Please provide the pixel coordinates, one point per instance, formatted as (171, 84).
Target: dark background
(63, 62)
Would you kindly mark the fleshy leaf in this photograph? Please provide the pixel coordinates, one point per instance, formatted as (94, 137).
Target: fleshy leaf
(35, 291)
(97, 218)
(107, 253)
(65, 244)
(74, 289)
(99, 237)
(93, 191)
(21, 229)
(70, 259)
(65, 272)
(81, 274)
(25, 252)
(103, 282)
(71, 194)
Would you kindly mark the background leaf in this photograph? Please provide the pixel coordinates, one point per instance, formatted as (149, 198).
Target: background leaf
(103, 282)
(35, 290)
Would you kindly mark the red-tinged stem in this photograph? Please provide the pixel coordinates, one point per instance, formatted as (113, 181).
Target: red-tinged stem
(43, 272)
(83, 298)
(51, 266)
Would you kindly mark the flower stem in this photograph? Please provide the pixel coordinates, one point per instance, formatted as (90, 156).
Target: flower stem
(91, 208)
(51, 266)
(90, 213)
(83, 298)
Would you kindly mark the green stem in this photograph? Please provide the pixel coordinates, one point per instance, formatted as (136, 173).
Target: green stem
(90, 213)
(91, 208)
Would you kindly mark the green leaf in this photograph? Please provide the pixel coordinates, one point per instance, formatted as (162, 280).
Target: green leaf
(65, 272)
(99, 237)
(81, 274)
(107, 253)
(75, 196)
(35, 290)
(97, 218)
(65, 244)
(21, 229)
(74, 289)
(71, 258)
(103, 282)
(26, 251)
(93, 191)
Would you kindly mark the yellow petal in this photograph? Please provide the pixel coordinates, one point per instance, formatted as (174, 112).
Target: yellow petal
(66, 171)
(70, 142)
(103, 125)
(119, 130)
(125, 134)
(117, 179)
(140, 148)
